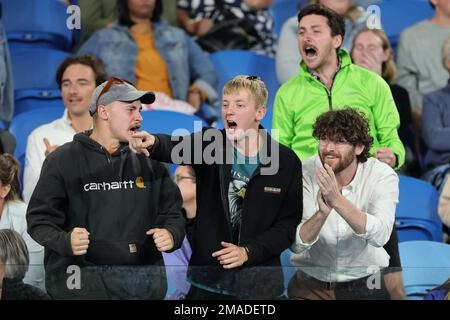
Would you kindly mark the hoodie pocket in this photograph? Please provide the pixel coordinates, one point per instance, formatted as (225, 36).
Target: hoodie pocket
(122, 252)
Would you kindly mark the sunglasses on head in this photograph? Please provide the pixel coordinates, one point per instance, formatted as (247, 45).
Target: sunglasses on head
(253, 78)
(109, 84)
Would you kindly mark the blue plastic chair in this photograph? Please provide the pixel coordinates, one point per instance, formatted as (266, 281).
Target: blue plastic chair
(231, 63)
(417, 215)
(36, 68)
(23, 124)
(412, 11)
(169, 122)
(39, 23)
(426, 264)
(282, 10)
(172, 123)
(26, 100)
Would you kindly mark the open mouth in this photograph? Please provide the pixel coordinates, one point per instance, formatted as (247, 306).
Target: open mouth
(134, 128)
(310, 51)
(231, 124)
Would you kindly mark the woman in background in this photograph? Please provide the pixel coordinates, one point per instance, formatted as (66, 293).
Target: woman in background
(13, 217)
(14, 262)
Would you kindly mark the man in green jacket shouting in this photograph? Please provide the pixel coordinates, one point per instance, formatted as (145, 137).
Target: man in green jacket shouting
(328, 80)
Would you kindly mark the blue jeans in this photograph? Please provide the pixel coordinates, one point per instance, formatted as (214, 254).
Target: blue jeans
(438, 176)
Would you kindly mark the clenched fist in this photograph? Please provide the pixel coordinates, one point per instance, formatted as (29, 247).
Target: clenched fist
(79, 241)
(163, 239)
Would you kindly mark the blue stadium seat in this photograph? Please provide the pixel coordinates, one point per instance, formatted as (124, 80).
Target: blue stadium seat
(231, 63)
(412, 11)
(26, 100)
(426, 264)
(417, 217)
(282, 10)
(36, 68)
(38, 23)
(23, 124)
(169, 122)
(172, 123)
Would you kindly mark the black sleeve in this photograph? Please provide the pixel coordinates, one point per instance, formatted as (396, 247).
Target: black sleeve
(170, 210)
(391, 248)
(403, 103)
(46, 216)
(282, 234)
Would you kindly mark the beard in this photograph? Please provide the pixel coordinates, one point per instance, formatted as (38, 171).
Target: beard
(342, 162)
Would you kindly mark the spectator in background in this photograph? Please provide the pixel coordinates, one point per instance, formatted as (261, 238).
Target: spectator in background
(328, 80)
(77, 78)
(177, 262)
(349, 211)
(371, 50)
(199, 17)
(436, 128)
(6, 80)
(288, 56)
(101, 14)
(145, 50)
(96, 15)
(419, 60)
(12, 216)
(444, 206)
(7, 142)
(14, 262)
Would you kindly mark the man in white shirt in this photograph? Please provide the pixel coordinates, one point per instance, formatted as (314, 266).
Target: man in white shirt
(349, 203)
(77, 78)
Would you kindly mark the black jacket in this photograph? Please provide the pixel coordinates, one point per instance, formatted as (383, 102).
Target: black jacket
(117, 198)
(272, 209)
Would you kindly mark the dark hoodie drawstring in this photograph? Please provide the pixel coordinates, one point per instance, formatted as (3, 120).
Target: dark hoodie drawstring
(123, 157)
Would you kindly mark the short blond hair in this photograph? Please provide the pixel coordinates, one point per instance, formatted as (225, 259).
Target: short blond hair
(251, 83)
(446, 51)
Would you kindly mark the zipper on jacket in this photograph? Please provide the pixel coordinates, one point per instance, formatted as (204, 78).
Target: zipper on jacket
(329, 92)
(330, 105)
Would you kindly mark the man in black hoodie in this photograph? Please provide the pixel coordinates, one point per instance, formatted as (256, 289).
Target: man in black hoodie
(103, 213)
(249, 197)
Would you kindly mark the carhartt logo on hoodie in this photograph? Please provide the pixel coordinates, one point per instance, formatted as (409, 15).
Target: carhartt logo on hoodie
(105, 186)
(140, 182)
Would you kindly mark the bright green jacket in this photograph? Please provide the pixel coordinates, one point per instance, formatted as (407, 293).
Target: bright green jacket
(303, 98)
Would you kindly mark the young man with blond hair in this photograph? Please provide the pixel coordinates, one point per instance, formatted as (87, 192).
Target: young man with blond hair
(249, 197)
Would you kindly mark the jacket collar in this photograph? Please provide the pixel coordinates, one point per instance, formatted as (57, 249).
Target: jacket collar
(268, 144)
(156, 26)
(343, 56)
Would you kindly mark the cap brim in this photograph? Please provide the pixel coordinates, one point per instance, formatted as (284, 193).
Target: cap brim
(145, 97)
